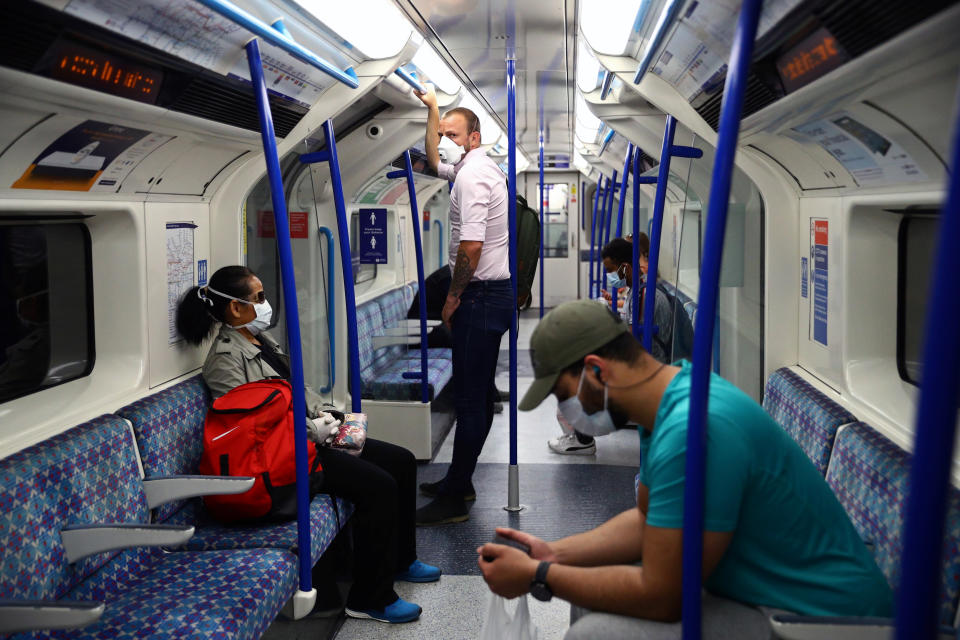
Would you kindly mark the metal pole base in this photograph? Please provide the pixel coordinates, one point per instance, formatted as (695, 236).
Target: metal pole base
(513, 490)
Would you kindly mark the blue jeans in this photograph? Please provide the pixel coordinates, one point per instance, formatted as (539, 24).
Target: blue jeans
(484, 315)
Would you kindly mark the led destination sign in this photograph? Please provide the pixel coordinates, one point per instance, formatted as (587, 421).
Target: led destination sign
(815, 56)
(87, 67)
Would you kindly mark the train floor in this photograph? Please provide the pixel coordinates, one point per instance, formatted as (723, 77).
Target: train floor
(561, 495)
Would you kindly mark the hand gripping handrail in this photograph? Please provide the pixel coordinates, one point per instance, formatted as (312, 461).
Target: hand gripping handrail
(407, 173)
(331, 316)
(285, 250)
(542, 225)
(917, 599)
(696, 455)
(659, 33)
(410, 79)
(620, 206)
(278, 37)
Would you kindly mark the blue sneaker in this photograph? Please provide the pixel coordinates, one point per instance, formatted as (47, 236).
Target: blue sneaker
(399, 611)
(419, 572)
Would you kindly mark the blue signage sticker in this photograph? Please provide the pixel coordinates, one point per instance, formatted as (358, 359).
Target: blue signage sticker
(373, 236)
(820, 279)
(201, 273)
(804, 276)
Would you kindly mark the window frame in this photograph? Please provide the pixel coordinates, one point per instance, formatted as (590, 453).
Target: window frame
(902, 233)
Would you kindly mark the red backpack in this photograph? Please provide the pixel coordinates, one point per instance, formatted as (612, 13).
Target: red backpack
(249, 432)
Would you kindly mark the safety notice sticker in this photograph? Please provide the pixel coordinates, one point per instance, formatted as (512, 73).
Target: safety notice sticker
(819, 243)
(373, 236)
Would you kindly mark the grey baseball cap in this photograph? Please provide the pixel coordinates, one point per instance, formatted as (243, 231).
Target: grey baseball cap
(565, 335)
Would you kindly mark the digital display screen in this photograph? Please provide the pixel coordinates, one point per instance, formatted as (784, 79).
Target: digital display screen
(815, 56)
(87, 67)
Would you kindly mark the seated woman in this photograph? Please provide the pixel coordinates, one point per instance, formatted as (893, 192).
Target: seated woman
(380, 482)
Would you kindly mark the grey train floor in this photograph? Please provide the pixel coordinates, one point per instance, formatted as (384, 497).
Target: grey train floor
(562, 495)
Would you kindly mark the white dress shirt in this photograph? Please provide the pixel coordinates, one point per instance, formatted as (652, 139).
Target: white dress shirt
(478, 211)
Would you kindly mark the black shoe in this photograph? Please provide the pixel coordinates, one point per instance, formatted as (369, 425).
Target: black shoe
(432, 490)
(443, 510)
(504, 396)
(498, 407)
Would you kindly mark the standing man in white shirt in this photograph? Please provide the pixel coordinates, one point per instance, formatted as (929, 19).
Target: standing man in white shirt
(480, 302)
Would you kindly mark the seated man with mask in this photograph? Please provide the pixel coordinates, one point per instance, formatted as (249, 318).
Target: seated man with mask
(775, 536)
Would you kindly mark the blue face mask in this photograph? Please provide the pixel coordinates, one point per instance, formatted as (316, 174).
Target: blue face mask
(592, 424)
(616, 280)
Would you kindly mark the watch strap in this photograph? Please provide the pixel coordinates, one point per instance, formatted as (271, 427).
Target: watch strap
(541, 574)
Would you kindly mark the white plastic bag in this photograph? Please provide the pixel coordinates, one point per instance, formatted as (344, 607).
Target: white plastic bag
(500, 625)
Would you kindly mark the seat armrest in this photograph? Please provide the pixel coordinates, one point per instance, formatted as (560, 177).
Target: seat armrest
(793, 627)
(163, 489)
(85, 540)
(31, 615)
(415, 323)
(387, 341)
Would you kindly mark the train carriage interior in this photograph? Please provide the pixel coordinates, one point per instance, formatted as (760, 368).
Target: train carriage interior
(147, 144)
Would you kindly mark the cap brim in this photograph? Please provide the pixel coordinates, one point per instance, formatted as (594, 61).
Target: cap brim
(537, 392)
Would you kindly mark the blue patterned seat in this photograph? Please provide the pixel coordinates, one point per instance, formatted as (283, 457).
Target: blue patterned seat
(381, 370)
(869, 475)
(810, 417)
(169, 429)
(89, 475)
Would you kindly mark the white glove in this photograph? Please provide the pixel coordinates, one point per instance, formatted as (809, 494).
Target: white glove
(323, 429)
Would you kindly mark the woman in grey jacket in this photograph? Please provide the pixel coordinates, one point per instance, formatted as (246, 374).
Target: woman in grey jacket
(380, 482)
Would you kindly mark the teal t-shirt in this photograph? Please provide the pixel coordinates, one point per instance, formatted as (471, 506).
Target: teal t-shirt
(793, 546)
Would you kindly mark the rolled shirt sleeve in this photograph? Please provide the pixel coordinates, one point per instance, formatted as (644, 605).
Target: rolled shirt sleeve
(474, 198)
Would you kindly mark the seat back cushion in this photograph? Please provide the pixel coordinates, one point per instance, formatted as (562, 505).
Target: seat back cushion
(87, 475)
(869, 474)
(369, 324)
(810, 417)
(169, 430)
(393, 309)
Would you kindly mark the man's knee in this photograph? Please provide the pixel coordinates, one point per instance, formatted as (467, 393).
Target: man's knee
(587, 625)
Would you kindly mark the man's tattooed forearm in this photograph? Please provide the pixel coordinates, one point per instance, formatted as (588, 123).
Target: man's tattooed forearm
(462, 272)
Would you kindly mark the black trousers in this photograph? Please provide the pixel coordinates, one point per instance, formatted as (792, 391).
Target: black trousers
(381, 484)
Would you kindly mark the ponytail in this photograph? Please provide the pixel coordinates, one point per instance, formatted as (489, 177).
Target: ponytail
(200, 307)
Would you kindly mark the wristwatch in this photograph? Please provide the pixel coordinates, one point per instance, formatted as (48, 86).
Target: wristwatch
(538, 586)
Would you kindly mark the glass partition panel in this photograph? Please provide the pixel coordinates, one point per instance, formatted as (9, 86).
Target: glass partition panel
(556, 198)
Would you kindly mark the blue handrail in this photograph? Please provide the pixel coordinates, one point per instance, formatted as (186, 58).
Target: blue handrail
(659, 33)
(410, 79)
(281, 224)
(606, 84)
(604, 232)
(598, 195)
(440, 255)
(696, 455)
(635, 289)
(277, 38)
(407, 173)
(331, 315)
(513, 491)
(620, 206)
(918, 598)
(609, 218)
(606, 140)
(542, 225)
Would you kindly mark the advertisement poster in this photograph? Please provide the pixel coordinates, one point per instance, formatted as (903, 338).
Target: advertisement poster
(298, 224)
(93, 156)
(871, 158)
(373, 236)
(804, 276)
(819, 244)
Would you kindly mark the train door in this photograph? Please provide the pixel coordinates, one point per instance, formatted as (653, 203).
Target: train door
(561, 202)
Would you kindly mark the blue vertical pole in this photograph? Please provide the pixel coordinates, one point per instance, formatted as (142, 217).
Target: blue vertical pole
(620, 206)
(285, 250)
(696, 455)
(604, 225)
(542, 225)
(918, 595)
(346, 265)
(663, 177)
(606, 238)
(597, 198)
(513, 474)
(635, 268)
(407, 173)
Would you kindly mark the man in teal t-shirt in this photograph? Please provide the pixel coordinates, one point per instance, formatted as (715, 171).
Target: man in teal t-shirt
(775, 536)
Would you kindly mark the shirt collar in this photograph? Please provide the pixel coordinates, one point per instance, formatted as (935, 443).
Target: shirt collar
(473, 153)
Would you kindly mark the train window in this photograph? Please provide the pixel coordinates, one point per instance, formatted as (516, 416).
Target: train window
(917, 242)
(46, 306)
(361, 272)
(555, 232)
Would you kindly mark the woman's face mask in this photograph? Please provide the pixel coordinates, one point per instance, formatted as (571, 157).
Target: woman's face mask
(450, 151)
(593, 424)
(264, 316)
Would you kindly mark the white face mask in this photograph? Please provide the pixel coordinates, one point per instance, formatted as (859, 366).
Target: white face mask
(593, 424)
(450, 151)
(262, 321)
